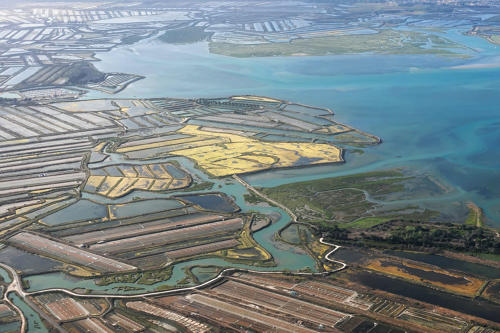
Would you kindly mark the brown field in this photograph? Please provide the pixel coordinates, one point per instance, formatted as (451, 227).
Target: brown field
(191, 324)
(492, 291)
(5, 311)
(232, 315)
(93, 325)
(66, 253)
(330, 292)
(285, 305)
(267, 281)
(309, 290)
(465, 285)
(116, 319)
(164, 237)
(384, 306)
(136, 229)
(434, 320)
(66, 309)
(202, 249)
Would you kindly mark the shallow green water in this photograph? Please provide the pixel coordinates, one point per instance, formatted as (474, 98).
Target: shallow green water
(5, 276)
(34, 322)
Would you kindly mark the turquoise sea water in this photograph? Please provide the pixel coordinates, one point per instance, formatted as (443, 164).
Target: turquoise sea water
(433, 118)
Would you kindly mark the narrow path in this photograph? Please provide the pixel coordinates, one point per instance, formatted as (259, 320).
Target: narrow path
(295, 220)
(265, 197)
(327, 256)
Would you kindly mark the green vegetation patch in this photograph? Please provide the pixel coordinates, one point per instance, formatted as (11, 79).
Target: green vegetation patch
(486, 256)
(152, 277)
(252, 198)
(147, 277)
(203, 186)
(366, 222)
(475, 216)
(339, 199)
(417, 235)
(185, 35)
(384, 42)
(118, 278)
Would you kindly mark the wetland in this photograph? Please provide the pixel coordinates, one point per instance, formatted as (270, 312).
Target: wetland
(349, 150)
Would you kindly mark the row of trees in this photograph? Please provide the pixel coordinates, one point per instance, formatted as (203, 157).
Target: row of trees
(458, 237)
(447, 236)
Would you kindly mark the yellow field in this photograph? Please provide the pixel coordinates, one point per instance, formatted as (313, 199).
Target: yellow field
(247, 243)
(126, 185)
(74, 270)
(235, 154)
(108, 184)
(319, 249)
(128, 171)
(99, 147)
(140, 177)
(95, 181)
(15, 141)
(469, 289)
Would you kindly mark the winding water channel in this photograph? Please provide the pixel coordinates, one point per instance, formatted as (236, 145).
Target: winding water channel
(286, 256)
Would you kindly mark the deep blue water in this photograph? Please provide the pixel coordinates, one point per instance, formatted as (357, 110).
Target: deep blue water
(432, 118)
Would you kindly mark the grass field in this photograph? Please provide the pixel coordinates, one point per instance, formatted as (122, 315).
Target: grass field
(475, 216)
